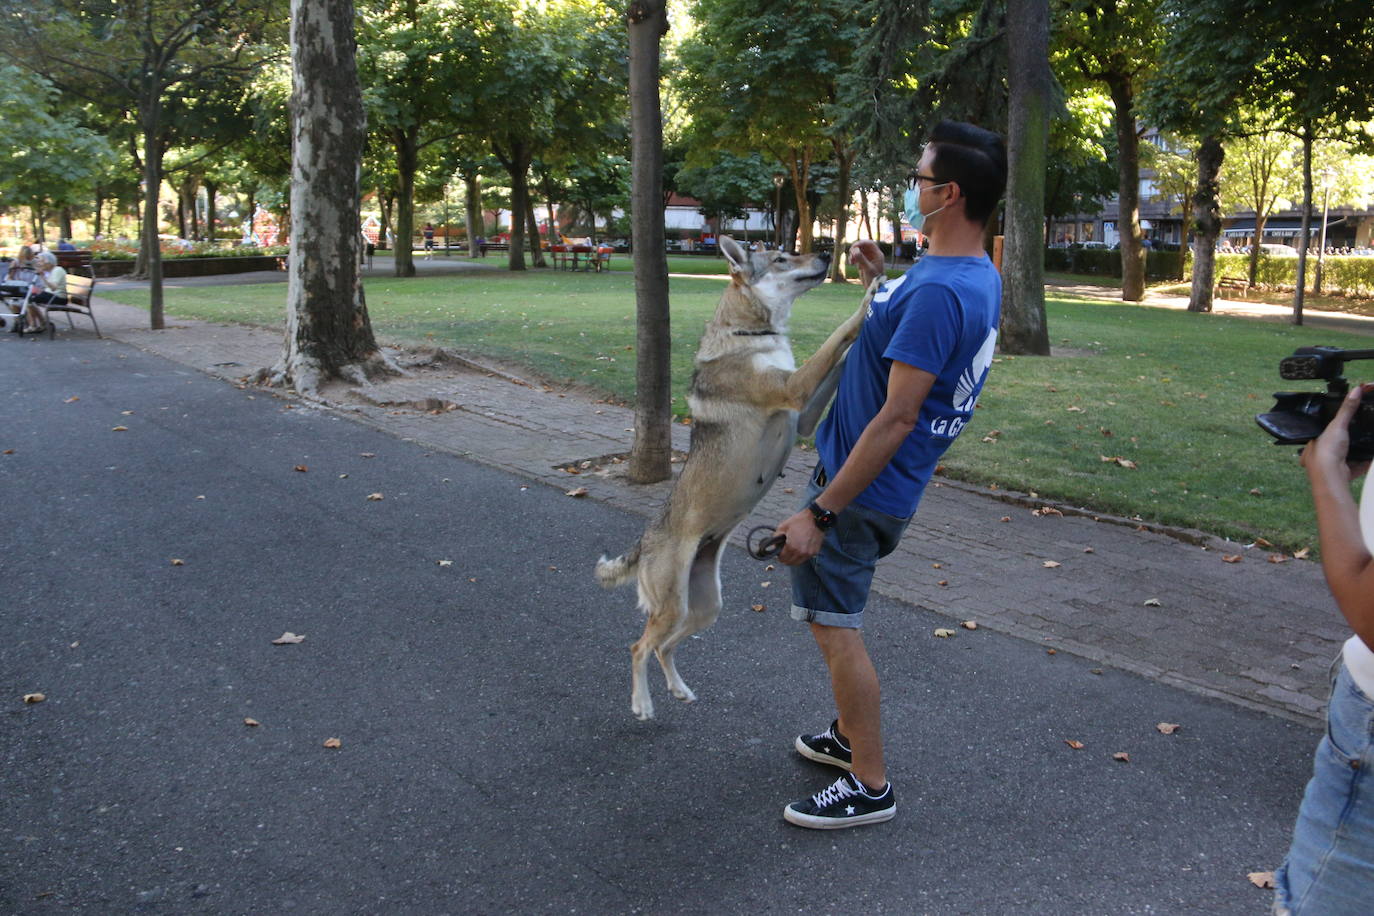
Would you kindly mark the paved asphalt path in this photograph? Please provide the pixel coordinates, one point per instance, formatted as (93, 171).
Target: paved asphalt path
(489, 761)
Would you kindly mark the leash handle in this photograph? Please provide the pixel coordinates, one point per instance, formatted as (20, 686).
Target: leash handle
(764, 548)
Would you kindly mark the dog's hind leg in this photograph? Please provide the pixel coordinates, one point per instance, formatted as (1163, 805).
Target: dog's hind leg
(663, 595)
(703, 606)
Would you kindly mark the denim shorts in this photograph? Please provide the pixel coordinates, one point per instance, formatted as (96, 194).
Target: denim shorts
(832, 587)
(1329, 870)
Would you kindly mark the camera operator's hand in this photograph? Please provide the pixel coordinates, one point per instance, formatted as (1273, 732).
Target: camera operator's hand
(1328, 453)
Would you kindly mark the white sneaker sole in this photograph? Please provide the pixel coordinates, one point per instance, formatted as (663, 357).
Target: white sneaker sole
(793, 816)
(818, 757)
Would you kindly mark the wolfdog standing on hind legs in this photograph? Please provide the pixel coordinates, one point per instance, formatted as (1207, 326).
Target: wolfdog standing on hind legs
(749, 402)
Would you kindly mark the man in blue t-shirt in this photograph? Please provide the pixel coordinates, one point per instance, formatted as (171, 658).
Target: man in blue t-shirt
(908, 388)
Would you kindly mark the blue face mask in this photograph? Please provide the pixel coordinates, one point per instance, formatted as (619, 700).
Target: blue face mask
(911, 206)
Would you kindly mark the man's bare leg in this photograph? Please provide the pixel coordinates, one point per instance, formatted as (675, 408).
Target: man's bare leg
(854, 682)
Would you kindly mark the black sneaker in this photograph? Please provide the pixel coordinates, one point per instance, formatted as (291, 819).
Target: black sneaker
(828, 747)
(844, 804)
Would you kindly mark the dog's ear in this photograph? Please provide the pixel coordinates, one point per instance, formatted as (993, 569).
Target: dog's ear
(737, 256)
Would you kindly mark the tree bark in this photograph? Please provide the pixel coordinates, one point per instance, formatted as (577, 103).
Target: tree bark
(1207, 222)
(516, 159)
(651, 454)
(1305, 238)
(474, 205)
(328, 334)
(839, 258)
(1024, 330)
(150, 248)
(211, 212)
(406, 144)
(1128, 189)
(532, 226)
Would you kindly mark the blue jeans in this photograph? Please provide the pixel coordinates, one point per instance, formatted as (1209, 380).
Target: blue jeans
(831, 588)
(1329, 870)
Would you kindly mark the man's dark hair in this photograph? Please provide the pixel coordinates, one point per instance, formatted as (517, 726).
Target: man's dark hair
(976, 160)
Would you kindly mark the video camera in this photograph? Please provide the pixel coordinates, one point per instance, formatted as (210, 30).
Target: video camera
(1300, 416)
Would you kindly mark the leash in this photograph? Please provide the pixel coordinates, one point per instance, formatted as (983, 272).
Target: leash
(764, 548)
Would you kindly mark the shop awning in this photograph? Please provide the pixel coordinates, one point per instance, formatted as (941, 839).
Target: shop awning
(1283, 228)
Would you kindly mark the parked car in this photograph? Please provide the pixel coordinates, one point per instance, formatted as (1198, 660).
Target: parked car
(1093, 244)
(1275, 250)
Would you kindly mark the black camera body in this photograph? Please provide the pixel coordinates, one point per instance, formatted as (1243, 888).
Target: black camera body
(1299, 417)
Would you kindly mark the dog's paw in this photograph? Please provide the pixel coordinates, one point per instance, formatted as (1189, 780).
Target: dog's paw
(643, 710)
(684, 693)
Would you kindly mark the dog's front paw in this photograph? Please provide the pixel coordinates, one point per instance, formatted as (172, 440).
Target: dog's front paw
(643, 708)
(684, 693)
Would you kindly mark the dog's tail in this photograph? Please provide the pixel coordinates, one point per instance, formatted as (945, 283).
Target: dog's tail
(611, 573)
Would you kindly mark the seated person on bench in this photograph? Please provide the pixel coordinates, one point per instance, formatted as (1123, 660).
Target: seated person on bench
(49, 287)
(20, 275)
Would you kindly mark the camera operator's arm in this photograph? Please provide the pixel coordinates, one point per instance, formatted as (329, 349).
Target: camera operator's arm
(1346, 561)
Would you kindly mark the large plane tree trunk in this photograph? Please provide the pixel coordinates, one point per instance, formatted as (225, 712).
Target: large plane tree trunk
(1128, 190)
(328, 334)
(1206, 223)
(1024, 330)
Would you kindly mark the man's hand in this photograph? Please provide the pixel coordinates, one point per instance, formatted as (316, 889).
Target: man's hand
(868, 257)
(803, 539)
(1329, 452)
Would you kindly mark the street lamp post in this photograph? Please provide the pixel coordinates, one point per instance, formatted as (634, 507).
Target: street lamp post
(777, 206)
(1327, 178)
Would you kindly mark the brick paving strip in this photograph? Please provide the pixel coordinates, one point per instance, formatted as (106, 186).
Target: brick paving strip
(1255, 633)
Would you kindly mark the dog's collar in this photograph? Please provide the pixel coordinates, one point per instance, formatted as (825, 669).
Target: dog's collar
(764, 333)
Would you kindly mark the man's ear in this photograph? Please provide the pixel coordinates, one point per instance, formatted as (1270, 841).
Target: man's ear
(737, 256)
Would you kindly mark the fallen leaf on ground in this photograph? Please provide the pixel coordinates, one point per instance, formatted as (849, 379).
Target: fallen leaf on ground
(374, 496)
(1302, 554)
(1076, 745)
(943, 583)
(366, 455)
(1231, 558)
(1074, 409)
(1167, 728)
(445, 562)
(935, 565)
(333, 743)
(1256, 492)
(756, 607)
(288, 639)
(1048, 510)
(1051, 564)
(302, 468)
(71, 400)
(177, 562)
(1152, 602)
(34, 697)
(251, 723)
(943, 633)
(1277, 558)
(1121, 757)
(1051, 651)
(969, 624)
(1089, 550)
(119, 429)
(1006, 518)
(580, 491)
(1262, 879)
(1261, 542)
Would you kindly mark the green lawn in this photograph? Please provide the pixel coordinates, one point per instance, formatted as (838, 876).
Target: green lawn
(1174, 393)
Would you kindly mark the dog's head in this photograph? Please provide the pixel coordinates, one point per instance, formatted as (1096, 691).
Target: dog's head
(774, 278)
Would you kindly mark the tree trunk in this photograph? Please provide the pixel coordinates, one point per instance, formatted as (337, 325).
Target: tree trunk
(473, 184)
(799, 164)
(516, 159)
(1128, 189)
(211, 214)
(406, 144)
(65, 227)
(99, 208)
(536, 246)
(840, 256)
(328, 334)
(1024, 330)
(1207, 222)
(651, 454)
(1305, 239)
(149, 262)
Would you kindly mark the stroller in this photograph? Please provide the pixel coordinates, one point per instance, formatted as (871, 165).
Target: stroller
(16, 288)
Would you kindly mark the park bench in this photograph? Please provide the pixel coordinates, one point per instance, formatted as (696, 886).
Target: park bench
(80, 259)
(492, 246)
(1236, 283)
(78, 302)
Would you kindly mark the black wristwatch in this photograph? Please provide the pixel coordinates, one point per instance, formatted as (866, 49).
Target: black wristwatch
(824, 518)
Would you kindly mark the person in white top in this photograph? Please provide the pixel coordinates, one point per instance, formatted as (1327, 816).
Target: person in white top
(1329, 870)
(49, 288)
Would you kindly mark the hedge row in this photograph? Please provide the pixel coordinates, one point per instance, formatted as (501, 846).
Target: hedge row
(1348, 274)
(1106, 262)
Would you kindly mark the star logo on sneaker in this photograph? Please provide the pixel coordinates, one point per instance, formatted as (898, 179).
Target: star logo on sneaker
(849, 810)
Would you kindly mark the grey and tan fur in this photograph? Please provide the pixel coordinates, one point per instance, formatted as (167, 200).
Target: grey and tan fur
(748, 403)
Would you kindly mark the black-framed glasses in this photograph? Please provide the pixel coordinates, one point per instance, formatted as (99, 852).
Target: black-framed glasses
(914, 177)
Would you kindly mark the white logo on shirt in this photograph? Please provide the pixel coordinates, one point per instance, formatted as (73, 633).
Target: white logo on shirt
(966, 392)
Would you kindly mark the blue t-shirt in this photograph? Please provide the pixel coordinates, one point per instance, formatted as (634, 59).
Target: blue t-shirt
(941, 316)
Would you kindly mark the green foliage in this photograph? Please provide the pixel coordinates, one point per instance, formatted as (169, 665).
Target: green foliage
(1106, 262)
(1349, 274)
